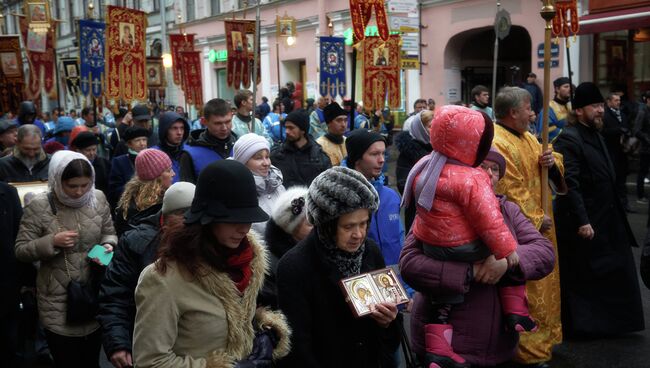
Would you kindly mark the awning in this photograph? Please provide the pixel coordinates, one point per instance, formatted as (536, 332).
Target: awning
(615, 20)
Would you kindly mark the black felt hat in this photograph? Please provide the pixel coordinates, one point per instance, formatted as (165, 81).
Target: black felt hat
(333, 111)
(561, 81)
(136, 132)
(225, 193)
(587, 93)
(84, 140)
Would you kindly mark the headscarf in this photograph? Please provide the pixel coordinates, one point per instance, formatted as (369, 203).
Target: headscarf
(418, 131)
(58, 163)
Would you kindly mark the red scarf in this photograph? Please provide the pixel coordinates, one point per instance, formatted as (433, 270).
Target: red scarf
(238, 265)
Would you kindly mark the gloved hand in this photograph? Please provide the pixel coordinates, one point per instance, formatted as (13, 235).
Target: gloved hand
(262, 355)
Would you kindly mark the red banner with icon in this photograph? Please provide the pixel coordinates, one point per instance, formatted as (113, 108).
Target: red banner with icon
(192, 80)
(381, 72)
(237, 46)
(39, 47)
(566, 18)
(11, 74)
(126, 63)
(179, 43)
(360, 13)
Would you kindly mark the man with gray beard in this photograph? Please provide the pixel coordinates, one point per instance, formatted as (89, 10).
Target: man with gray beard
(599, 285)
(28, 161)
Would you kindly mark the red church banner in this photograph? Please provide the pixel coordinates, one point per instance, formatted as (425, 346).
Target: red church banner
(237, 46)
(11, 74)
(566, 18)
(126, 64)
(39, 47)
(191, 61)
(178, 44)
(381, 72)
(361, 11)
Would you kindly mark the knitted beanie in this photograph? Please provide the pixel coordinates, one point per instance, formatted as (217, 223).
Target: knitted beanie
(151, 163)
(248, 145)
(339, 191)
(289, 209)
(358, 143)
(496, 157)
(177, 197)
(300, 119)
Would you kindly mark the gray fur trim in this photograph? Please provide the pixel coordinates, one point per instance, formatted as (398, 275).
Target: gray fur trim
(338, 191)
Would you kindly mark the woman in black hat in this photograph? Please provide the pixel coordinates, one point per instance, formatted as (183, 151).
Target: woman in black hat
(196, 305)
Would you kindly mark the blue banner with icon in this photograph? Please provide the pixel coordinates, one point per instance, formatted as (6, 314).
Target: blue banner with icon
(332, 67)
(92, 56)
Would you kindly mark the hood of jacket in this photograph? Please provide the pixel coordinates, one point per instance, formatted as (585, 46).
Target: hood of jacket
(166, 121)
(462, 134)
(409, 147)
(203, 139)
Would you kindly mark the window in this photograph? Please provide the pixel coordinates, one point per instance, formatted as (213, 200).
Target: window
(190, 10)
(156, 5)
(214, 7)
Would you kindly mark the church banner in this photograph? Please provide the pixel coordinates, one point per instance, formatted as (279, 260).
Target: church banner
(332, 67)
(125, 50)
(360, 13)
(71, 74)
(381, 72)
(39, 47)
(92, 52)
(11, 74)
(179, 43)
(250, 44)
(192, 78)
(237, 66)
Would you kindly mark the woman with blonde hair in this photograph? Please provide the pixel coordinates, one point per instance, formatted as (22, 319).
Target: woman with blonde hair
(143, 194)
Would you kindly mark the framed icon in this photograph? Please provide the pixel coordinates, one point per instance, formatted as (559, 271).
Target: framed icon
(363, 292)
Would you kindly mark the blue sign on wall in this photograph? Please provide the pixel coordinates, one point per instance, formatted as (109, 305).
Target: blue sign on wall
(555, 50)
(554, 64)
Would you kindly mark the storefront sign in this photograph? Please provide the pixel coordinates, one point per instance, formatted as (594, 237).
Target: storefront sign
(410, 62)
(370, 31)
(411, 44)
(403, 6)
(404, 24)
(215, 56)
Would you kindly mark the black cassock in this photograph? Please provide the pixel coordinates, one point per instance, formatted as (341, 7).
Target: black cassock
(600, 288)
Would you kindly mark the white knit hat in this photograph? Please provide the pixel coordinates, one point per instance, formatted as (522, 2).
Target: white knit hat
(290, 209)
(178, 196)
(248, 145)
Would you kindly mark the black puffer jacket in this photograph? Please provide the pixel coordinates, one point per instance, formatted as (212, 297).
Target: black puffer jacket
(300, 166)
(278, 242)
(136, 250)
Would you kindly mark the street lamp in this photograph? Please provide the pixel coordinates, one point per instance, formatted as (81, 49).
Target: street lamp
(167, 60)
(291, 41)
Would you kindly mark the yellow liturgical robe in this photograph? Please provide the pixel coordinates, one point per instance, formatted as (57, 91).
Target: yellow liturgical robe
(522, 185)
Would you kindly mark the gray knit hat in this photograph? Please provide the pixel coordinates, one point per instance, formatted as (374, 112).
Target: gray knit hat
(177, 197)
(338, 191)
(289, 209)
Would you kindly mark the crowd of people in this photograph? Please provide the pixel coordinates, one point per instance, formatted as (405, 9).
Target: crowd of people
(230, 235)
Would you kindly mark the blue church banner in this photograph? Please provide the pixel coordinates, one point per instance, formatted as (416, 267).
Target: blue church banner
(332, 67)
(92, 56)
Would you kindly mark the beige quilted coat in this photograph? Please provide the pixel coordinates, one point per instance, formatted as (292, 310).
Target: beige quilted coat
(35, 243)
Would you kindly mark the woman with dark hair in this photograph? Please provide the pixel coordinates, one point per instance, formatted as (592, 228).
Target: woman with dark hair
(58, 229)
(196, 305)
(326, 333)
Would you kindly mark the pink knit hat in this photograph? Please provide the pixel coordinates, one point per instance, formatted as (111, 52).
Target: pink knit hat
(151, 163)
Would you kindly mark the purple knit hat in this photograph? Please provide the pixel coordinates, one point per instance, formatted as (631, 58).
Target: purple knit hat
(151, 163)
(494, 156)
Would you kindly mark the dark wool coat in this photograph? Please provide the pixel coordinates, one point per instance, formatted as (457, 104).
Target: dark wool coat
(325, 332)
(299, 166)
(278, 242)
(136, 250)
(122, 170)
(612, 132)
(12, 170)
(410, 152)
(600, 289)
(479, 333)
(102, 171)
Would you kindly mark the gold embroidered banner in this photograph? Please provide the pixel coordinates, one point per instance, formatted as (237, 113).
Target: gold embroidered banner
(566, 11)
(125, 42)
(11, 74)
(179, 43)
(192, 78)
(39, 47)
(381, 72)
(251, 39)
(360, 13)
(238, 72)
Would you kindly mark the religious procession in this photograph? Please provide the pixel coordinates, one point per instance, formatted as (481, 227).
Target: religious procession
(324, 183)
